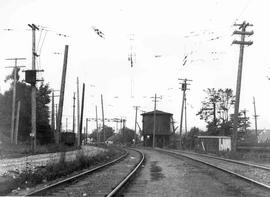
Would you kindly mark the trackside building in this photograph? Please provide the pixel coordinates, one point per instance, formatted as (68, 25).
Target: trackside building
(214, 143)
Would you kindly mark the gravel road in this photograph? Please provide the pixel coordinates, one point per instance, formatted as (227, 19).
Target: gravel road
(260, 175)
(164, 175)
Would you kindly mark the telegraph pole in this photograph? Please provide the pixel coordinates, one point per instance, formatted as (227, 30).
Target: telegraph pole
(73, 118)
(15, 67)
(78, 112)
(154, 126)
(103, 124)
(56, 111)
(53, 114)
(82, 108)
(185, 113)
(184, 89)
(245, 120)
(97, 124)
(242, 43)
(17, 122)
(66, 124)
(34, 90)
(62, 94)
(255, 117)
(52, 120)
(86, 131)
(135, 126)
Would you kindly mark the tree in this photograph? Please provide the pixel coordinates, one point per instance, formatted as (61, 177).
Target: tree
(108, 133)
(215, 110)
(125, 136)
(44, 133)
(189, 138)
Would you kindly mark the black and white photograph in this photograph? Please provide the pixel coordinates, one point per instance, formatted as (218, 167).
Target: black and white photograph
(146, 98)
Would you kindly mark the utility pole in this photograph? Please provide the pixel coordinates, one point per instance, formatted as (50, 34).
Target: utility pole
(66, 124)
(97, 125)
(73, 115)
(242, 43)
(184, 89)
(56, 113)
(82, 107)
(17, 122)
(78, 112)
(135, 126)
(53, 114)
(62, 94)
(103, 124)
(185, 113)
(255, 117)
(86, 131)
(154, 126)
(52, 119)
(34, 90)
(15, 67)
(245, 120)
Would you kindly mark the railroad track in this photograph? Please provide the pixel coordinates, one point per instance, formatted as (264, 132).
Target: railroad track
(77, 185)
(256, 174)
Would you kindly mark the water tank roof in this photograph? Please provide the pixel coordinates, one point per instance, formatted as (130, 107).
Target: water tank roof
(158, 112)
(210, 136)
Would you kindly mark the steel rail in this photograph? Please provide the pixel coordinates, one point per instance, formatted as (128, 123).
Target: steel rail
(69, 179)
(121, 185)
(219, 168)
(229, 160)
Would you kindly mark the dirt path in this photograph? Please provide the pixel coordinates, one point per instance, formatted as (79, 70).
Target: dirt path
(164, 175)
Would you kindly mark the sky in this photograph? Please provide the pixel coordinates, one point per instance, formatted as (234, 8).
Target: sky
(159, 34)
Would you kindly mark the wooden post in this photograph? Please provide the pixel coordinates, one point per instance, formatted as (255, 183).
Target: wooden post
(154, 129)
(62, 94)
(255, 118)
(56, 113)
(78, 113)
(81, 123)
(184, 88)
(242, 43)
(182, 109)
(66, 124)
(135, 126)
(73, 118)
(97, 125)
(17, 122)
(52, 119)
(103, 123)
(34, 92)
(86, 131)
(14, 95)
(13, 103)
(185, 113)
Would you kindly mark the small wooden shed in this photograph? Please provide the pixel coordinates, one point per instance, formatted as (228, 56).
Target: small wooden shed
(164, 128)
(214, 143)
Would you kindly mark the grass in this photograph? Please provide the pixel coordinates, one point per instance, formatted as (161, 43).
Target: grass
(254, 156)
(30, 177)
(13, 151)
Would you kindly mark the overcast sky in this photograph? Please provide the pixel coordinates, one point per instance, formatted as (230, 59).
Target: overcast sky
(163, 33)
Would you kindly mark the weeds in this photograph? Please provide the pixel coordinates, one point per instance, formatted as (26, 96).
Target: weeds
(30, 177)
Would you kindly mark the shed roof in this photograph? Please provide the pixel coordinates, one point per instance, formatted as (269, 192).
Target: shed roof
(210, 136)
(158, 112)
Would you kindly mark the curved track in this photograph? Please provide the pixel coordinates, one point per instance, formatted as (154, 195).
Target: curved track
(69, 182)
(256, 174)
